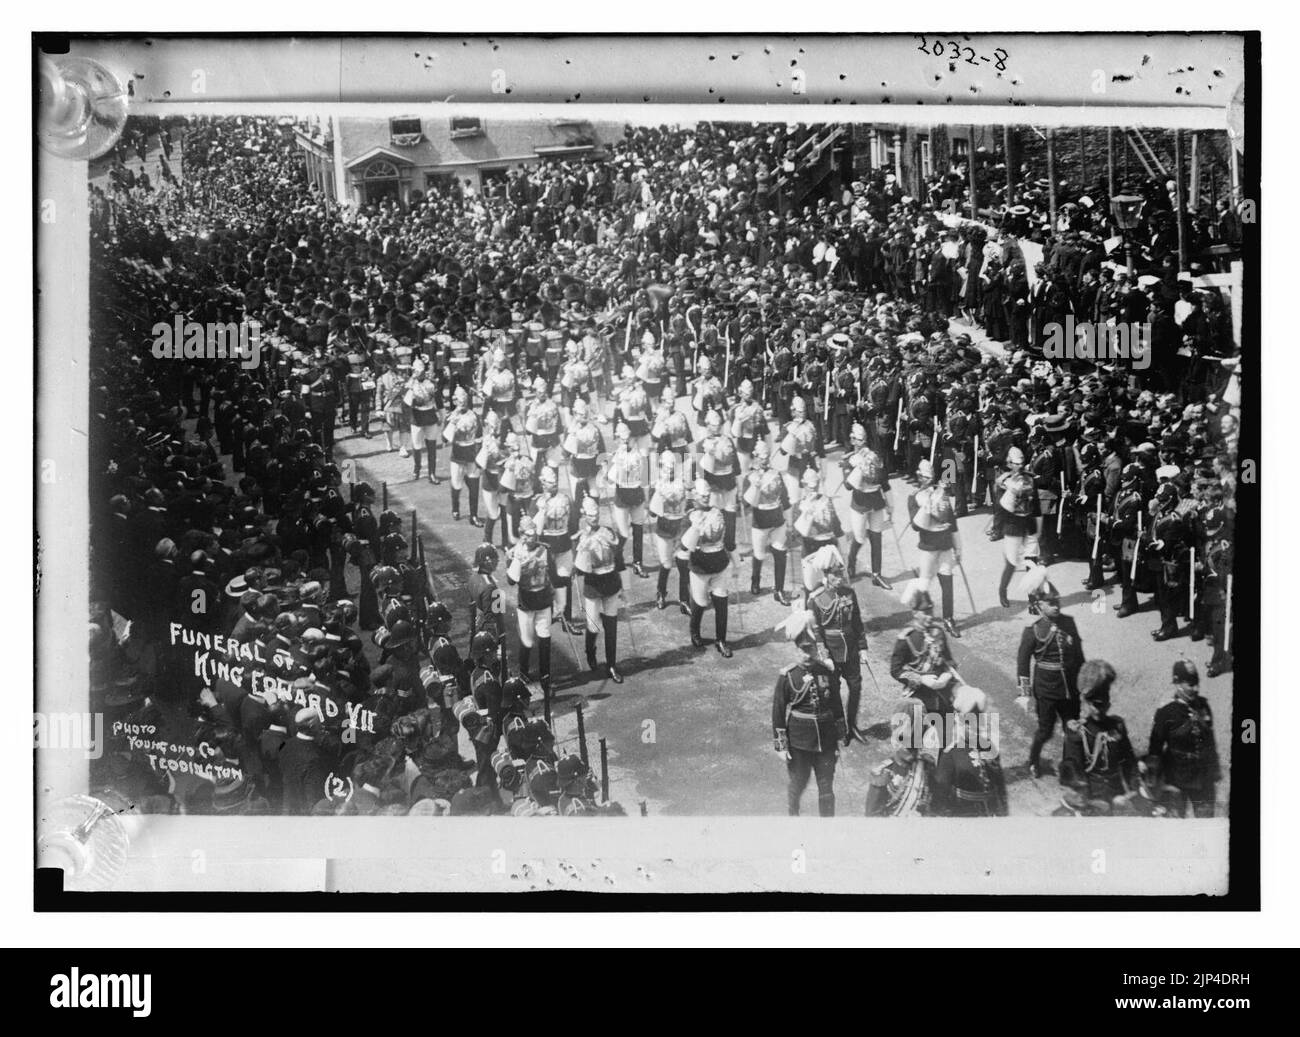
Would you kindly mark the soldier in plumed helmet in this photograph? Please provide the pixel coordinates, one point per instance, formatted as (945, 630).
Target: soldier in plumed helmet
(748, 427)
(707, 393)
(1015, 518)
(557, 522)
(718, 466)
(869, 508)
(583, 444)
(818, 526)
(671, 429)
(1097, 759)
(464, 432)
(808, 717)
(1047, 664)
(710, 567)
(838, 618)
(932, 516)
(922, 659)
(597, 557)
(491, 461)
(542, 423)
(802, 447)
(626, 472)
(766, 495)
(669, 505)
(633, 410)
(422, 399)
(498, 389)
(528, 567)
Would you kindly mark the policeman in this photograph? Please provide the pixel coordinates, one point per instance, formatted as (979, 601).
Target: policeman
(1051, 645)
(838, 622)
(818, 526)
(529, 568)
(766, 495)
(1167, 555)
(597, 559)
(583, 446)
(808, 717)
(668, 508)
(1126, 529)
(869, 508)
(710, 566)
(932, 517)
(1015, 518)
(464, 432)
(1182, 738)
(1097, 759)
(626, 472)
(718, 466)
(557, 522)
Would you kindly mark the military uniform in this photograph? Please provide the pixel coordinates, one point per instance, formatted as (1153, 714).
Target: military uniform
(626, 474)
(598, 559)
(932, 517)
(464, 432)
(1182, 737)
(542, 424)
(528, 566)
(668, 509)
(864, 474)
(1054, 648)
(769, 501)
(710, 567)
(718, 466)
(1097, 759)
(808, 723)
(838, 618)
(557, 522)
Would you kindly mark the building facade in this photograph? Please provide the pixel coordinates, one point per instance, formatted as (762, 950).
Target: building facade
(362, 161)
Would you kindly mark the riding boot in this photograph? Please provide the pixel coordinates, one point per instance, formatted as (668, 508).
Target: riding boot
(756, 574)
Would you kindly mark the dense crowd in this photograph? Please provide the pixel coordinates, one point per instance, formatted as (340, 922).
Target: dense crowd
(504, 325)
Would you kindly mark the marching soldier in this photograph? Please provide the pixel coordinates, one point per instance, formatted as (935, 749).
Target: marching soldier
(542, 423)
(922, 659)
(491, 461)
(710, 566)
(1045, 467)
(597, 559)
(668, 507)
(671, 429)
(557, 522)
(818, 526)
(1097, 759)
(517, 482)
(575, 379)
(1053, 646)
(869, 508)
(486, 606)
(633, 410)
(528, 567)
(802, 447)
(1015, 519)
(464, 432)
(1167, 555)
(766, 495)
(932, 517)
(1212, 568)
(1126, 529)
(422, 398)
(707, 394)
(718, 467)
(583, 446)
(1182, 738)
(498, 390)
(651, 371)
(361, 394)
(808, 718)
(748, 427)
(626, 474)
(838, 619)
(1092, 510)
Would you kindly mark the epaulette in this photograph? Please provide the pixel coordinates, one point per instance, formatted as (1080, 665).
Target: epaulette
(792, 666)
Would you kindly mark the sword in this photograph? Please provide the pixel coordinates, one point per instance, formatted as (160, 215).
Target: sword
(1060, 507)
(872, 673)
(902, 557)
(962, 569)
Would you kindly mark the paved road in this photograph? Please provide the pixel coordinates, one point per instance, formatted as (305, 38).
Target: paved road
(689, 732)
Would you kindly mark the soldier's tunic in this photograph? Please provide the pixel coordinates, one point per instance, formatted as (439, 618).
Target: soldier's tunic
(491, 458)
(671, 430)
(464, 432)
(634, 410)
(422, 398)
(529, 568)
(583, 445)
(543, 426)
(802, 447)
(839, 624)
(1054, 648)
(766, 494)
(650, 372)
(668, 508)
(923, 652)
(1016, 516)
(708, 395)
(747, 427)
(818, 525)
(1098, 759)
(596, 559)
(1182, 736)
(936, 543)
(499, 394)
(575, 382)
(626, 474)
(1126, 524)
(518, 481)
(868, 508)
(557, 521)
(710, 562)
(808, 723)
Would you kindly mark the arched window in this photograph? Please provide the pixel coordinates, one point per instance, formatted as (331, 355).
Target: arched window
(380, 169)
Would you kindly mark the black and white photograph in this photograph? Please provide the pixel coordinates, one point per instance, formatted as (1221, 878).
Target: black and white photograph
(848, 489)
